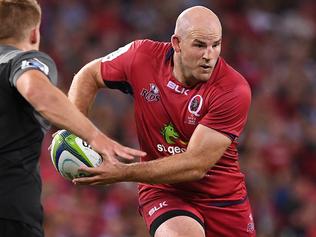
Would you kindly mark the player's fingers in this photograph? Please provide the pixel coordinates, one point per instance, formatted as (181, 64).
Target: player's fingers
(129, 153)
(124, 155)
(88, 170)
(109, 156)
(134, 152)
(85, 180)
(54, 134)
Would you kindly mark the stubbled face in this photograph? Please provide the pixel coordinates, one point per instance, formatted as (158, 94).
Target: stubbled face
(200, 51)
(197, 44)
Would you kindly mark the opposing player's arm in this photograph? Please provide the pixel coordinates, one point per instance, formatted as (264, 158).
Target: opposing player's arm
(53, 104)
(205, 148)
(85, 85)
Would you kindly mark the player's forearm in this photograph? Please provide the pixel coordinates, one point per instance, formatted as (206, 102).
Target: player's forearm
(55, 107)
(188, 166)
(173, 169)
(52, 104)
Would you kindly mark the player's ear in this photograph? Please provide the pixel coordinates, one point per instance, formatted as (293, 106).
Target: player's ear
(34, 37)
(175, 41)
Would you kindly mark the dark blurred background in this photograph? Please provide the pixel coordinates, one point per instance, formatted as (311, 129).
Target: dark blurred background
(271, 42)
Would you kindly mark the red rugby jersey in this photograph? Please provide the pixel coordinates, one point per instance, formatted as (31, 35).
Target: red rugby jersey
(167, 112)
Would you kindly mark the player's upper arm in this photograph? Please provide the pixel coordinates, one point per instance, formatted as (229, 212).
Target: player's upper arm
(207, 146)
(32, 73)
(34, 61)
(92, 70)
(32, 84)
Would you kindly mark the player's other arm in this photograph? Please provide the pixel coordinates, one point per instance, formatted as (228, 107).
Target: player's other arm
(205, 148)
(91, 77)
(82, 92)
(85, 86)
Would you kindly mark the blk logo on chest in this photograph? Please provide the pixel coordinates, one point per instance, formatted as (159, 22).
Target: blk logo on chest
(177, 88)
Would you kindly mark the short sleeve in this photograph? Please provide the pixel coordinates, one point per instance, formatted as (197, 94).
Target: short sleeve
(230, 111)
(33, 60)
(117, 65)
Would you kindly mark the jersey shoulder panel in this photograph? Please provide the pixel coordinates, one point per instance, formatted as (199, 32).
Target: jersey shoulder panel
(129, 50)
(228, 78)
(154, 52)
(124, 65)
(229, 83)
(152, 47)
(33, 60)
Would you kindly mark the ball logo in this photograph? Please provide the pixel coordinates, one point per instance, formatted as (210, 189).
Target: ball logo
(85, 144)
(195, 105)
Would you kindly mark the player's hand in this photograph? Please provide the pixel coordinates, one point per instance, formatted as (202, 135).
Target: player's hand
(107, 147)
(111, 149)
(110, 171)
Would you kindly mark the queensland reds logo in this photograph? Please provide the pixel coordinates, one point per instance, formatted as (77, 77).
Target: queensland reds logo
(151, 94)
(195, 105)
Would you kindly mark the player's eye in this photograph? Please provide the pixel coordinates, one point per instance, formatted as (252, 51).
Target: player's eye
(199, 45)
(216, 44)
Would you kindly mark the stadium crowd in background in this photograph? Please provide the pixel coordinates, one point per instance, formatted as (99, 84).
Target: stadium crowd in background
(270, 42)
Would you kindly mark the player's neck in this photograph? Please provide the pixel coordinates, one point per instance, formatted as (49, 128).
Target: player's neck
(22, 45)
(180, 77)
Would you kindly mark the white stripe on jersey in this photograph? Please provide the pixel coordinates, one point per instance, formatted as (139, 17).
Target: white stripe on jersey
(116, 53)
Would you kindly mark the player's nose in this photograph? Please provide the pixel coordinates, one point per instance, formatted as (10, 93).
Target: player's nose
(208, 53)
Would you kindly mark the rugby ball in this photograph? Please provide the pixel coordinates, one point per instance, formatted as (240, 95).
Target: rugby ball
(69, 152)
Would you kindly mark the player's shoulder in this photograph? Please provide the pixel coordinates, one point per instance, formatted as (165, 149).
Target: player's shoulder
(227, 70)
(34, 54)
(151, 46)
(37, 60)
(34, 60)
(228, 81)
(7, 53)
(16, 54)
(229, 76)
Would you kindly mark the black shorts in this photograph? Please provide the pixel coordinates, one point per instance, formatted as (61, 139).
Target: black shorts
(12, 228)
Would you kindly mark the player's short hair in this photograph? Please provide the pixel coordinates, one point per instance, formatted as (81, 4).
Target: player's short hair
(17, 17)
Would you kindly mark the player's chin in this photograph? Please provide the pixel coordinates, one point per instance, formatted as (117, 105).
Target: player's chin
(203, 77)
(203, 74)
